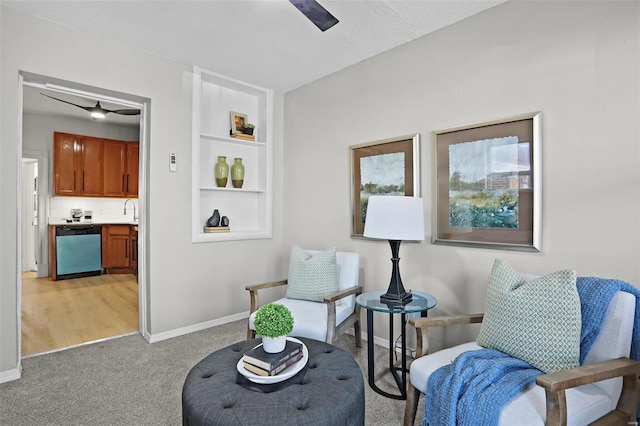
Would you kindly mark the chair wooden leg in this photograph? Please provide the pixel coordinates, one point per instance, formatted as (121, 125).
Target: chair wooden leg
(331, 323)
(251, 334)
(411, 406)
(556, 408)
(628, 401)
(358, 336)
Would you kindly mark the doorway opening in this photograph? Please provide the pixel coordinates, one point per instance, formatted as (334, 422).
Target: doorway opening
(58, 314)
(29, 231)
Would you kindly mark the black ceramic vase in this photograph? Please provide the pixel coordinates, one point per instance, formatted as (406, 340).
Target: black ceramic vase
(214, 220)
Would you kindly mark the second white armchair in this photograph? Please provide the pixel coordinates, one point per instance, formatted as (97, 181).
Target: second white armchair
(327, 318)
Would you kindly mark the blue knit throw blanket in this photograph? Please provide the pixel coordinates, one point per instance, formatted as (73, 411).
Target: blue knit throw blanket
(473, 389)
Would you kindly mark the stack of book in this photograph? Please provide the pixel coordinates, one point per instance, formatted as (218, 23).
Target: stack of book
(267, 364)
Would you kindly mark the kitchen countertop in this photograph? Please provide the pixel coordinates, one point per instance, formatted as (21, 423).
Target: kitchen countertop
(110, 221)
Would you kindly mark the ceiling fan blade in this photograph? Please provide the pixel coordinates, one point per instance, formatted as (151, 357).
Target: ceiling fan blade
(67, 102)
(118, 111)
(98, 108)
(315, 13)
(123, 111)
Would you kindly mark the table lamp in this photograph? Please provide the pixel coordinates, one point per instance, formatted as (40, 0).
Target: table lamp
(395, 218)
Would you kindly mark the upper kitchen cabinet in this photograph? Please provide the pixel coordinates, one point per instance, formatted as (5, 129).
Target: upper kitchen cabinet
(94, 167)
(133, 165)
(249, 207)
(114, 168)
(64, 163)
(77, 165)
(121, 168)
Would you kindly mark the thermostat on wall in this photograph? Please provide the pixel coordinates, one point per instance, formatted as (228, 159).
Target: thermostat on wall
(172, 162)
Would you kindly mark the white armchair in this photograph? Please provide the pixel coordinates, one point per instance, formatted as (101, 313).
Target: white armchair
(326, 320)
(604, 388)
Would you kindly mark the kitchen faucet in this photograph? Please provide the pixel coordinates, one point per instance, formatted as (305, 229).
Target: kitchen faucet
(134, 208)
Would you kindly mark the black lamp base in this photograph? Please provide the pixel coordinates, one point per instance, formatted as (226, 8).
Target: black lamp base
(396, 294)
(401, 299)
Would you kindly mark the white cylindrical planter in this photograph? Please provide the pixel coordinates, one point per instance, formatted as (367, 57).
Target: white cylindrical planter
(274, 345)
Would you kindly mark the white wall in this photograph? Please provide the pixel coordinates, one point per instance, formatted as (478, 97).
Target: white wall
(577, 62)
(188, 283)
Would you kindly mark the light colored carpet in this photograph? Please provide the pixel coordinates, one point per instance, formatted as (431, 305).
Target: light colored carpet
(127, 381)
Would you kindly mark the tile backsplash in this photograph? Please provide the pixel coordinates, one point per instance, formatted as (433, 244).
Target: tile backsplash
(103, 208)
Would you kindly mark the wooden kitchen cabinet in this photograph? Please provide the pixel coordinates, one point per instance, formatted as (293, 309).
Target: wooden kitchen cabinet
(133, 260)
(77, 165)
(117, 249)
(96, 167)
(133, 161)
(121, 168)
(114, 168)
(92, 166)
(64, 163)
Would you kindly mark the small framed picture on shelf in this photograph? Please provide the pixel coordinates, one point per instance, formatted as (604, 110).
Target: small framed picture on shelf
(238, 121)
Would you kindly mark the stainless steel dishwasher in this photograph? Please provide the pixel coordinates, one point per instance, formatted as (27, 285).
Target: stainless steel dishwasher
(78, 251)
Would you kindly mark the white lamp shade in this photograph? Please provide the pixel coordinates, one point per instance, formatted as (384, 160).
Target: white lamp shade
(395, 218)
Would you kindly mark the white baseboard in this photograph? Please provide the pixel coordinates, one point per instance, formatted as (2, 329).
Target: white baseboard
(376, 340)
(152, 338)
(380, 341)
(10, 375)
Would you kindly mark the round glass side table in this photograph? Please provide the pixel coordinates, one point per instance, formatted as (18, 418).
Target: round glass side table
(420, 303)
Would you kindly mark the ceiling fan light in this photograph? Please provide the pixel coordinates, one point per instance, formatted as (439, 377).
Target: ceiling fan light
(97, 114)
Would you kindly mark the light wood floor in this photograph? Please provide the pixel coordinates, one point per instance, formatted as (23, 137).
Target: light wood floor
(59, 314)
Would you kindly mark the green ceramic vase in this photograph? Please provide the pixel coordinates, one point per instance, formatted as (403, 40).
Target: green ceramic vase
(237, 173)
(221, 170)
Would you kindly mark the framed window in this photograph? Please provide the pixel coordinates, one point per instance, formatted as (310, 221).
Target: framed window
(488, 184)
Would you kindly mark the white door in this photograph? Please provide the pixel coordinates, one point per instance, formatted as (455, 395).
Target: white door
(29, 214)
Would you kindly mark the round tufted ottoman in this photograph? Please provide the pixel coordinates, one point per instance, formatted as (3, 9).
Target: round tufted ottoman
(328, 391)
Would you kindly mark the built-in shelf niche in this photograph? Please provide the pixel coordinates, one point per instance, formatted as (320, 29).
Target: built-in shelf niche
(249, 208)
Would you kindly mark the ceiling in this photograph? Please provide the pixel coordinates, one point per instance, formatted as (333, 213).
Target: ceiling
(268, 43)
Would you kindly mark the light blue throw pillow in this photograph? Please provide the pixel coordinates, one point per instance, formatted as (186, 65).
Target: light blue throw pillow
(312, 277)
(537, 321)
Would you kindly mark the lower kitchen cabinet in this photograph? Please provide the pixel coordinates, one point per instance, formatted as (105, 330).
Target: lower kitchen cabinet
(118, 255)
(133, 261)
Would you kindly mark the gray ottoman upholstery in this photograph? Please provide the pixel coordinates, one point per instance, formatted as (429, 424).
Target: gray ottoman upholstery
(328, 391)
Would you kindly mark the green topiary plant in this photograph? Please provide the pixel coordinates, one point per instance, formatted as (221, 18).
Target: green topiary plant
(273, 320)
(249, 126)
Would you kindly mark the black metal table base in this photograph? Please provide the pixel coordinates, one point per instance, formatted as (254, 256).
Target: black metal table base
(399, 373)
(371, 301)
